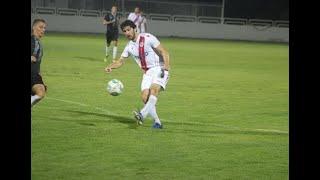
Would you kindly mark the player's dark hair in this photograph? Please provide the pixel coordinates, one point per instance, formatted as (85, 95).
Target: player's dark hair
(38, 20)
(127, 23)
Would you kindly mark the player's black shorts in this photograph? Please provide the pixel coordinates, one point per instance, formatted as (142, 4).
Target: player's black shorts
(37, 79)
(112, 36)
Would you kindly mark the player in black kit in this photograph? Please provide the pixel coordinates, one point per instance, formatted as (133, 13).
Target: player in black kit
(38, 89)
(111, 20)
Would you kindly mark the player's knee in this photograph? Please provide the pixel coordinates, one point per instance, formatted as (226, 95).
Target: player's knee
(144, 99)
(145, 96)
(41, 92)
(154, 90)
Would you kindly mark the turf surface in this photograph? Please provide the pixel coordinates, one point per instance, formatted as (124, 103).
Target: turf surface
(225, 113)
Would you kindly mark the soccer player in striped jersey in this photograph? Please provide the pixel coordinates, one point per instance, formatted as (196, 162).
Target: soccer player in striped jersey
(153, 59)
(137, 18)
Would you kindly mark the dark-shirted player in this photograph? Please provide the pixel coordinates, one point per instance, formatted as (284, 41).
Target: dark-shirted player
(111, 20)
(38, 89)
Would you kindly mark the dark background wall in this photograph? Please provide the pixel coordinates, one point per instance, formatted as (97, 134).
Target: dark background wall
(258, 9)
(251, 9)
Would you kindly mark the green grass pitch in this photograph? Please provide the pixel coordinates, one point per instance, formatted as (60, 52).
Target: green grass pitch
(225, 113)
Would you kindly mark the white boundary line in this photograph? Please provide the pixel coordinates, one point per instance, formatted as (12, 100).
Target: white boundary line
(218, 125)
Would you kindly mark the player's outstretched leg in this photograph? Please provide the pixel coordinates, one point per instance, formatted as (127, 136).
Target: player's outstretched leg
(138, 117)
(153, 113)
(150, 106)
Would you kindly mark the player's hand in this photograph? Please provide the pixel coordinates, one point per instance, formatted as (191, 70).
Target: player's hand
(33, 59)
(108, 70)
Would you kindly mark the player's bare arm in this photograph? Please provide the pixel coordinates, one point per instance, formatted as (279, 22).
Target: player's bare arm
(115, 65)
(164, 53)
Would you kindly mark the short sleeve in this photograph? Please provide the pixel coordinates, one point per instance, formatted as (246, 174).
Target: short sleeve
(154, 42)
(125, 52)
(130, 16)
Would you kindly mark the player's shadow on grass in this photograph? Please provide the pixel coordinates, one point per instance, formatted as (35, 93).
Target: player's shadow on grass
(212, 133)
(87, 58)
(209, 130)
(119, 119)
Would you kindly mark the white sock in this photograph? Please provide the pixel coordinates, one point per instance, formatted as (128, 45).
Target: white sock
(154, 115)
(151, 103)
(34, 99)
(114, 52)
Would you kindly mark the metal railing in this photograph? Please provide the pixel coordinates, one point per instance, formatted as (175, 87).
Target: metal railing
(89, 13)
(211, 20)
(67, 12)
(45, 10)
(179, 18)
(260, 22)
(164, 17)
(160, 17)
(175, 8)
(235, 21)
(280, 23)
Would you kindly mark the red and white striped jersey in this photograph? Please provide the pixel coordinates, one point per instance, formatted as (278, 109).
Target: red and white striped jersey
(143, 51)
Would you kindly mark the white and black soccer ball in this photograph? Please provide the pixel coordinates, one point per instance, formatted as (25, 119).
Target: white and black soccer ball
(115, 87)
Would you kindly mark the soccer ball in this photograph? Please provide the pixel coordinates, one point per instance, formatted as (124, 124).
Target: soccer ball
(115, 87)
